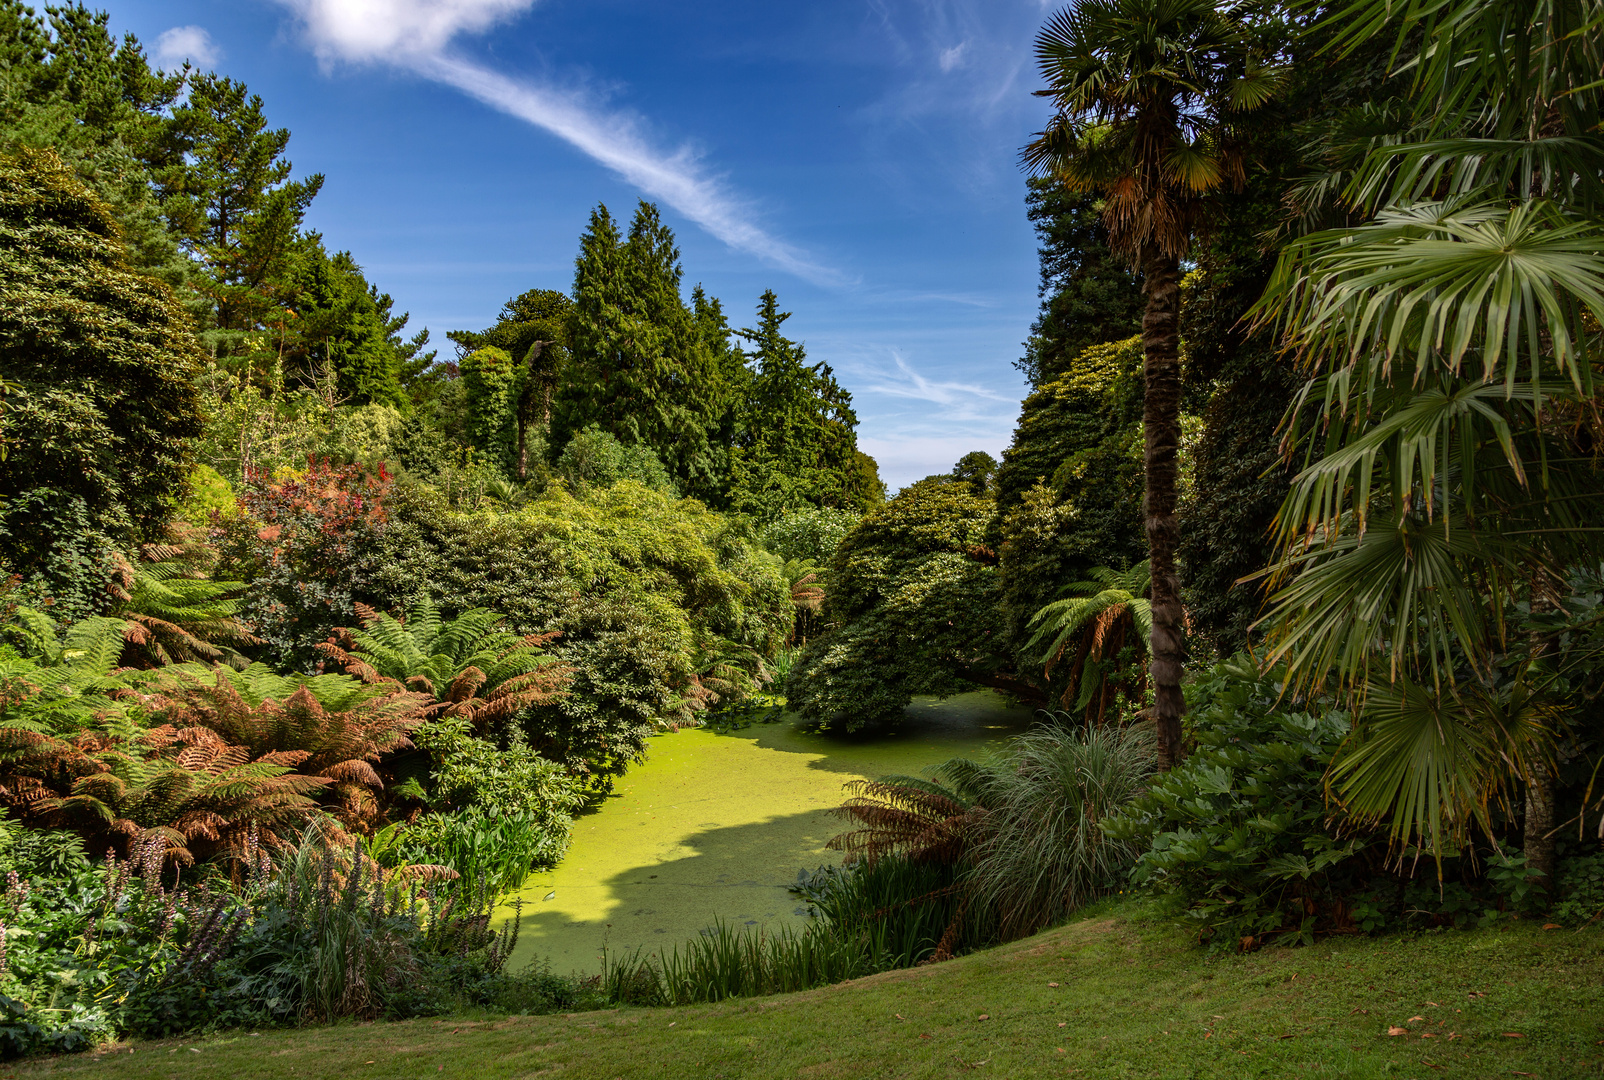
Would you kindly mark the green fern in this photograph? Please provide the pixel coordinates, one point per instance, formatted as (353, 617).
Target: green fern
(1101, 617)
(61, 683)
(175, 614)
(471, 667)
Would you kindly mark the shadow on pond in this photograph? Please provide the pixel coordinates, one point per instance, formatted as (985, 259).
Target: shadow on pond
(717, 825)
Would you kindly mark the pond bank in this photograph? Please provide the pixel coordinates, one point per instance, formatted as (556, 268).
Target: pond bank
(717, 826)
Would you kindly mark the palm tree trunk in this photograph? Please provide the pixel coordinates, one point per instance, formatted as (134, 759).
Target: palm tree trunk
(1161, 424)
(1537, 842)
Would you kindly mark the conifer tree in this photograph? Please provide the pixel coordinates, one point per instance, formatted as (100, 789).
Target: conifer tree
(796, 445)
(640, 369)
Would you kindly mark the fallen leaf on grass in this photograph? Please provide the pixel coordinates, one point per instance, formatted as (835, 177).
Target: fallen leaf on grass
(985, 1016)
(1052, 984)
(1412, 1019)
(897, 1015)
(924, 1036)
(1551, 926)
(1060, 1049)
(1433, 1004)
(1513, 1035)
(1397, 1031)
(1288, 1036)
(1065, 1023)
(1429, 1065)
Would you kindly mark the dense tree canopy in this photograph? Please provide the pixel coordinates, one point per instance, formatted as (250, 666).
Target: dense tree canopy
(101, 404)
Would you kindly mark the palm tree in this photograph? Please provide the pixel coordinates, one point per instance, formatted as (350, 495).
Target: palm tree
(1099, 617)
(1148, 94)
(1447, 340)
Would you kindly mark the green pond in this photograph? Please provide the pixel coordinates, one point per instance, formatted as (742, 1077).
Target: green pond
(717, 826)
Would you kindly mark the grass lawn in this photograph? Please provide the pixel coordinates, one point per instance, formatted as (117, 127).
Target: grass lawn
(1111, 995)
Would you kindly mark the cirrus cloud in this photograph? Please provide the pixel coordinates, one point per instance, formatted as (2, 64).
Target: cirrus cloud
(418, 36)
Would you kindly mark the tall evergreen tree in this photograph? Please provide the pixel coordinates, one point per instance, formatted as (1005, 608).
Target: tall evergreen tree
(1089, 296)
(640, 369)
(228, 196)
(796, 445)
(532, 329)
(101, 404)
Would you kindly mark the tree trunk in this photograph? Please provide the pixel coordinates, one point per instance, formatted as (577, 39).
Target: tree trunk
(1536, 842)
(1161, 425)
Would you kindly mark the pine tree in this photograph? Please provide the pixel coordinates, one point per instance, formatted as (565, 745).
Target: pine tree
(796, 443)
(640, 370)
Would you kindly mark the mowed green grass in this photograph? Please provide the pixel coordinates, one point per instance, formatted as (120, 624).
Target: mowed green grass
(1108, 996)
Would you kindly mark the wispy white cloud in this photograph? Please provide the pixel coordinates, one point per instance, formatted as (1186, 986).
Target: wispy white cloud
(948, 59)
(905, 382)
(417, 36)
(190, 43)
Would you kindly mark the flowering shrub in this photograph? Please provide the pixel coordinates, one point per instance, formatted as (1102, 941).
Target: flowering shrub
(306, 540)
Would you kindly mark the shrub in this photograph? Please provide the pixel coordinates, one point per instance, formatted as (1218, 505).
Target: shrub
(1239, 832)
(306, 541)
(333, 727)
(910, 609)
(809, 535)
(512, 780)
(1019, 833)
(649, 595)
(595, 458)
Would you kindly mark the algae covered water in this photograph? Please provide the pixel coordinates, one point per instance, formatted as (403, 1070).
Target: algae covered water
(717, 826)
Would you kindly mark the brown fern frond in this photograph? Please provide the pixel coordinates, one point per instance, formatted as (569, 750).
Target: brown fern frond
(425, 872)
(465, 685)
(355, 771)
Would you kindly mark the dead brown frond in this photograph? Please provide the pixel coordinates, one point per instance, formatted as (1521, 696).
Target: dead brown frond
(908, 816)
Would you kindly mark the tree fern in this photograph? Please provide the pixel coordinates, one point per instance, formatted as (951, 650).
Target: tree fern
(332, 727)
(468, 665)
(61, 683)
(1098, 617)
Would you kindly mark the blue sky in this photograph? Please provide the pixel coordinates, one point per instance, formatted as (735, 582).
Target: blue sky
(857, 156)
